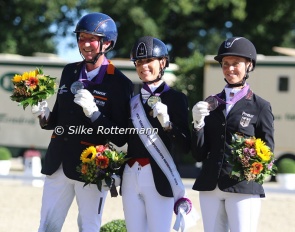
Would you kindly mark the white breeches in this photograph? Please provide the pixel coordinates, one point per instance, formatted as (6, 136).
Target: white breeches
(144, 208)
(234, 212)
(58, 194)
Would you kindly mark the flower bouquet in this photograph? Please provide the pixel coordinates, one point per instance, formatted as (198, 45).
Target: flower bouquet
(32, 87)
(252, 159)
(100, 163)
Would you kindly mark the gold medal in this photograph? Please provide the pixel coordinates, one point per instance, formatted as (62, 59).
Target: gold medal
(153, 100)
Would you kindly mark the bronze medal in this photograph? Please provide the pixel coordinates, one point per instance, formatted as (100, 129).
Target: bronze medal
(212, 103)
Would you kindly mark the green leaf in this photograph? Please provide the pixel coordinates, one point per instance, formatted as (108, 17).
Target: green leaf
(99, 184)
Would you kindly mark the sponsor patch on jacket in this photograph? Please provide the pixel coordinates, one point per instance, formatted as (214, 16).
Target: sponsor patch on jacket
(100, 97)
(100, 103)
(245, 119)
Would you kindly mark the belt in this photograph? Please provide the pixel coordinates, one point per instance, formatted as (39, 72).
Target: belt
(141, 161)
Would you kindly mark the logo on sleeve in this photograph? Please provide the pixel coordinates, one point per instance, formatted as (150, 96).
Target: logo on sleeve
(62, 89)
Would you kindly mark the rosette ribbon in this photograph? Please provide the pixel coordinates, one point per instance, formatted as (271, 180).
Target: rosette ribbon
(182, 207)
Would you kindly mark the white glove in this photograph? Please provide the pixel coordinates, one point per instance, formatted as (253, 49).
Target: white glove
(41, 110)
(117, 182)
(85, 99)
(160, 110)
(200, 111)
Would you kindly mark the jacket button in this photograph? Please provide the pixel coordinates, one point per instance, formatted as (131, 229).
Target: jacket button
(222, 136)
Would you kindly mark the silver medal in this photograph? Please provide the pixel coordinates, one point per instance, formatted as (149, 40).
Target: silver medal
(153, 100)
(76, 86)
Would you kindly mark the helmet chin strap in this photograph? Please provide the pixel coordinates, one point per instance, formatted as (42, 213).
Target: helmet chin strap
(93, 61)
(241, 83)
(159, 77)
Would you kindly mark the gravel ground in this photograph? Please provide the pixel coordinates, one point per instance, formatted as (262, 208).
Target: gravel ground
(20, 206)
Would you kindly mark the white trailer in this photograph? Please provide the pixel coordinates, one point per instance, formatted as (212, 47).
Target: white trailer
(19, 129)
(274, 80)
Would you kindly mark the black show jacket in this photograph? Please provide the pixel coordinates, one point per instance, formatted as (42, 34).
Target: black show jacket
(112, 97)
(211, 144)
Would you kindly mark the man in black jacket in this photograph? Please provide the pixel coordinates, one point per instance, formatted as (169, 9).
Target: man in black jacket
(93, 97)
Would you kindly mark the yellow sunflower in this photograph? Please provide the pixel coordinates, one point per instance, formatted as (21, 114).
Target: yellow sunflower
(262, 150)
(17, 78)
(88, 154)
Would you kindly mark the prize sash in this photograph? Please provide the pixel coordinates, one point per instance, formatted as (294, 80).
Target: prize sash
(161, 155)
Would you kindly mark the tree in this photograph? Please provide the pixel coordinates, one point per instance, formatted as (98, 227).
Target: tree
(30, 26)
(188, 27)
(185, 25)
(191, 27)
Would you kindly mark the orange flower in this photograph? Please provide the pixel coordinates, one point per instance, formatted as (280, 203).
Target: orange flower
(102, 162)
(84, 169)
(256, 168)
(32, 82)
(250, 142)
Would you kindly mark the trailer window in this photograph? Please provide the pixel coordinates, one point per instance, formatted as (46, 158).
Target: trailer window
(283, 84)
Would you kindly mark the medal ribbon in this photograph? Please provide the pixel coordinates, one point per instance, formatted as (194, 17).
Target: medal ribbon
(147, 93)
(147, 88)
(236, 97)
(98, 78)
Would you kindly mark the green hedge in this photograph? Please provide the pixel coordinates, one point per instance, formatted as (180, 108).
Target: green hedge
(5, 153)
(114, 226)
(286, 165)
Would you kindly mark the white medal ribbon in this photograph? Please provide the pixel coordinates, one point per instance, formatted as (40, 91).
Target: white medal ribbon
(161, 155)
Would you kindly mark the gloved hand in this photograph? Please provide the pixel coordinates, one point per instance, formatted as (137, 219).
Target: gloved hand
(116, 179)
(85, 99)
(41, 109)
(160, 110)
(200, 111)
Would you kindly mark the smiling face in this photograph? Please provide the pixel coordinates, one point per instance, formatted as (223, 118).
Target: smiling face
(234, 68)
(149, 69)
(89, 46)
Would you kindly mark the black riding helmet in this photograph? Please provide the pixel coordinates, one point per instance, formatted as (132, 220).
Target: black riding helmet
(238, 46)
(101, 25)
(149, 47)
